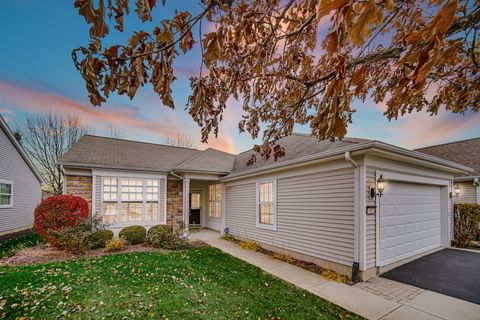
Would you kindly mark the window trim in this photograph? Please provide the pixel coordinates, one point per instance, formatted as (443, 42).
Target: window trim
(271, 227)
(5, 206)
(215, 202)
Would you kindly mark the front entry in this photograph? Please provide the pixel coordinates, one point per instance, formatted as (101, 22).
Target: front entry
(195, 208)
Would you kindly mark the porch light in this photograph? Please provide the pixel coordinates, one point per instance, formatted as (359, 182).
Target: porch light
(380, 186)
(456, 190)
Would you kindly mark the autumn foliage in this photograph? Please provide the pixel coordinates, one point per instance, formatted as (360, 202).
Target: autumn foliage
(56, 214)
(293, 62)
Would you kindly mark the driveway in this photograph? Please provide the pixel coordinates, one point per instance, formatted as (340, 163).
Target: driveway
(455, 273)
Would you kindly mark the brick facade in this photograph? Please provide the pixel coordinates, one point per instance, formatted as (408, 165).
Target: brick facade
(175, 204)
(80, 186)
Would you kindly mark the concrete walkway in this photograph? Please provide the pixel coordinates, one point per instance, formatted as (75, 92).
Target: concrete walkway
(428, 305)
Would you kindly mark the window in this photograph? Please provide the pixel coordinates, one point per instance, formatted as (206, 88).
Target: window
(130, 200)
(110, 205)
(195, 200)
(215, 201)
(266, 194)
(6, 194)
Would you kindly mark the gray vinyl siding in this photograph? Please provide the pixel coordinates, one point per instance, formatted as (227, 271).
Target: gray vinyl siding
(468, 192)
(371, 220)
(26, 187)
(315, 215)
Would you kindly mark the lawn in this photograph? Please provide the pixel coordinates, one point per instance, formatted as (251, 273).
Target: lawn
(11, 246)
(201, 283)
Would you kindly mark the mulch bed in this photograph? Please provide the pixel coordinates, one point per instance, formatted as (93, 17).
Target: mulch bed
(309, 266)
(44, 253)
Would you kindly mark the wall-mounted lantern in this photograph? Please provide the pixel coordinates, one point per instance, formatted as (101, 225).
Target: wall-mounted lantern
(380, 188)
(456, 190)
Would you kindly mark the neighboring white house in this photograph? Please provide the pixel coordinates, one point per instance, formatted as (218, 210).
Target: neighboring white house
(323, 202)
(20, 184)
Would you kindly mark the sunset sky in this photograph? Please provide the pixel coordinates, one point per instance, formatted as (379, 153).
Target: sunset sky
(37, 76)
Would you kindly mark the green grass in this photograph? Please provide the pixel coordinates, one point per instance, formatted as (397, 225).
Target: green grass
(11, 246)
(201, 283)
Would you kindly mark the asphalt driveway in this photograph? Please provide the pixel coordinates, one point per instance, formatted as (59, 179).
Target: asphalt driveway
(451, 272)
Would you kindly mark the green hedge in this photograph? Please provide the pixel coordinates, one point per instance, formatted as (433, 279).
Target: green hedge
(99, 239)
(466, 219)
(134, 234)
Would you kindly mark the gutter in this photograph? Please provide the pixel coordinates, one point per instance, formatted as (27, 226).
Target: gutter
(176, 175)
(348, 157)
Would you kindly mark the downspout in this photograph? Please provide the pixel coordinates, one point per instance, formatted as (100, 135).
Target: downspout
(356, 265)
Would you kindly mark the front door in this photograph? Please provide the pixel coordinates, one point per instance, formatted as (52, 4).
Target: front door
(195, 201)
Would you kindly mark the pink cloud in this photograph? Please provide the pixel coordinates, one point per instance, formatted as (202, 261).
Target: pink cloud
(32, 100)
(420, 129)
(37, 101)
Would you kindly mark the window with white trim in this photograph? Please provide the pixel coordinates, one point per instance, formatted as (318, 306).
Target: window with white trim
(266, 207)
(110, 200)
(6, 194)
(130, 200)
(215, 201)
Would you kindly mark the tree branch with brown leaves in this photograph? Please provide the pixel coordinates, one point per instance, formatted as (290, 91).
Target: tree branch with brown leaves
(299, 62)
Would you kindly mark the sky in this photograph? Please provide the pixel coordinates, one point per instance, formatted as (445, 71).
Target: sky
(37, 76)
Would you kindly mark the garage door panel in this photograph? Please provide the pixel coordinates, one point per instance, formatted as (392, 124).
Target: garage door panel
(410, 220)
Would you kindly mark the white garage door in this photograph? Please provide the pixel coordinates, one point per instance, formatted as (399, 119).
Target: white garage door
(410, 220)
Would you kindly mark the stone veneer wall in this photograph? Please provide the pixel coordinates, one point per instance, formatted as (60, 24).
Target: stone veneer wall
(80, 186)
(175, 204)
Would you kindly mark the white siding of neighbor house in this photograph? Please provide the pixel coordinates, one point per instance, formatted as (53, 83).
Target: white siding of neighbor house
(468, 192)
(26, 187)
(315, 214)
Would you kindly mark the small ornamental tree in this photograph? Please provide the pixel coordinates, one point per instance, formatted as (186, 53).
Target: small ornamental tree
(466, 219)
(58, 213)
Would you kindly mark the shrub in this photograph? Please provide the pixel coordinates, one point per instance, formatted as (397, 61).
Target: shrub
(250, 246)
(228, 237)
(99, 238)
(134, 234)
(162, 236)
(466, 219)
(116, 244)
(58, 213)
(78, 239)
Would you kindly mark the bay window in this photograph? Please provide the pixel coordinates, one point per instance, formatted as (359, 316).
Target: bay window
(266, 206)
(126, 200)
(215, 201)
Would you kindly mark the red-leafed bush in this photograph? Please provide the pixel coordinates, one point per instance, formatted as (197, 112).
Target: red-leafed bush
(56, 214)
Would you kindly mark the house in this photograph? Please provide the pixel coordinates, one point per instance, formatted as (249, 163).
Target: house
(466, 152)
(20, 184)
(350, 205)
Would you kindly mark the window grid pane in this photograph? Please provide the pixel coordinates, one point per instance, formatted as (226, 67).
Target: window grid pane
(265, 205)
(110, 212)
(215, 201)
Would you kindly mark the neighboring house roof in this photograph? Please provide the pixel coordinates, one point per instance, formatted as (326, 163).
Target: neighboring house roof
(466, 152)
(100, 152)
(209, 160)
(296, 146)
(4, 126)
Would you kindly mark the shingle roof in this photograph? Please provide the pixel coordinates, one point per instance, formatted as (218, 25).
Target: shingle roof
(297, 145)
(466, 152)
(104, 152)
(209, 160)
